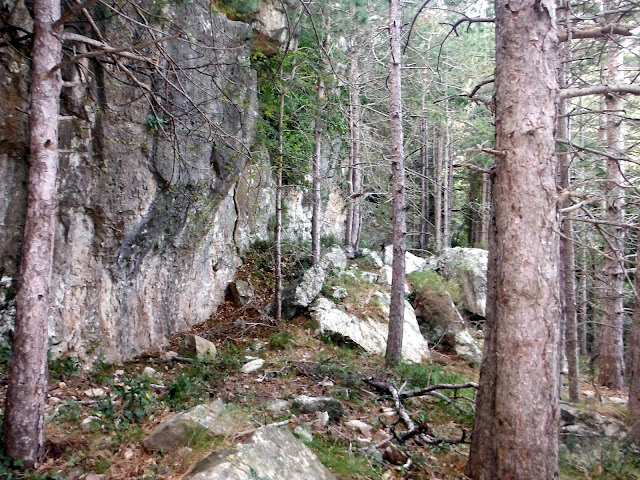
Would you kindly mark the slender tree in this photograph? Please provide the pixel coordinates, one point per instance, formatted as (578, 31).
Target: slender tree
(24, 413)
(515, 434)
(396, 309)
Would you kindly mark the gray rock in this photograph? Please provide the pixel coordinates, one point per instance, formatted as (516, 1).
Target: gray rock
(270, 24)
(467, 348)
(468, 266)
(372, 258)
(241, 292)
(196, 346)
(276, 407)
(306, 404)
(334, 259)
(371, 333)
(338, 293)
(252, 366)
(369, 277)
(272, 453)
(412, 262)
(214, 418)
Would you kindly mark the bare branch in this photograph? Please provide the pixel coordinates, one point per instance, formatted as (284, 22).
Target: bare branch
(597, 31)
(490, 151)
(475, 168)
(599, 90)
(72, 11)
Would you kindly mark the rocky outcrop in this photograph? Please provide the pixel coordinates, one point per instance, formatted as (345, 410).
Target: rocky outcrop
(468, 267)
(272, 453)
(271, 25)
(370, 331)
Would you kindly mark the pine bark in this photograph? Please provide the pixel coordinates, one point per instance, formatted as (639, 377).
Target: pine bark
(24, 412)
(354, 174)
(424, 190)
(437, 193)
(515, 434)
(396, 308)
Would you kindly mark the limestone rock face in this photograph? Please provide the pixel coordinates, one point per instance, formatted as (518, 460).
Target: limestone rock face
(270, 25)
(271, 452)
(371, 333)
(469, 267)
(144, 240)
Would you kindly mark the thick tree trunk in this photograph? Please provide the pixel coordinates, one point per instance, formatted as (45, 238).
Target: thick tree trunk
(396, 308)
(612, 347)
(567, 256)
(515, 435)
(24, 412)
(316, 177)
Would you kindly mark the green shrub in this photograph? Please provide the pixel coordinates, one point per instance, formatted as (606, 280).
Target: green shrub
(280, 340)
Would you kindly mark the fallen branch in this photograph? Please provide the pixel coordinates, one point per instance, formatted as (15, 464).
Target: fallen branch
(440, 386)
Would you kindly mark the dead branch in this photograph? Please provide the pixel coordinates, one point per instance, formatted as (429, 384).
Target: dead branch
(599, 90)
(439, 386)
(490, 151)
(597, 31)
(475, 168)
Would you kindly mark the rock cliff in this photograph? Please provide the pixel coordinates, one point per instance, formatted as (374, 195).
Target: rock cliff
(158, 189)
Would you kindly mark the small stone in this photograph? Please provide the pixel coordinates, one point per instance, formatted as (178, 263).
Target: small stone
(118, 373)
(195, 346)
(617, 400)
(306, 404)
(128, 454)
(170, 355)
(252, 366)
(338, 293)
(360, 426)
(326, 383)
(303, 433)
(394, 455)
(322, 418)
(258, 345)
(277, 406)
(87, 422)
(95, 392)
(241, 292)
(95, 476)
(149, 372)
(62, 385)
(55, 400)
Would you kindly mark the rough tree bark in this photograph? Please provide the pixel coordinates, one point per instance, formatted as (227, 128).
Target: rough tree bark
(396, 308)
(515, 434)
(24, 412)
(611, 347)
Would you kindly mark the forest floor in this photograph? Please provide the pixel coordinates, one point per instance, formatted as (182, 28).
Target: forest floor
(97, 434)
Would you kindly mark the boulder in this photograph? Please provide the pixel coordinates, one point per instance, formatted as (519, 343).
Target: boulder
(442, 324)
(372, 258)
(272, 453)
(196, 346)
(215, 418)
(412, 263)
(241, 292)
(467, 266)
(371, 333)
(303, 291)
(252, 366)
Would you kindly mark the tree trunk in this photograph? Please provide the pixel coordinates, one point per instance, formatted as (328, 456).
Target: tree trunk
(567, 257)
(24, 412)
(396, 308)
(515, 435)
(424, 190)
(485, 211)
(612, 347)
(277, 235)
(582, 311)
(634, 387)
(437, 194)
(354, 175)
(316, 177)
(446, 181)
